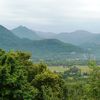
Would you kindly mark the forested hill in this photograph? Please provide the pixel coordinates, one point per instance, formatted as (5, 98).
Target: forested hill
(21, 79)
(8, 40)
(39, 48)
(77, 37)
(24, 32)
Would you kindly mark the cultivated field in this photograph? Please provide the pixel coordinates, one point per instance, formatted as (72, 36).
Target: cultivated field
(62, 69)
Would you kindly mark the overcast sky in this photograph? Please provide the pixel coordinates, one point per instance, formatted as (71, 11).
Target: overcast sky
(51, 15)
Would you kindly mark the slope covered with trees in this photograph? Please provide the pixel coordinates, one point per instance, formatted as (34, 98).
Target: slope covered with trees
(21, 79)
(24, 32)
(77, 37)
(41, 49)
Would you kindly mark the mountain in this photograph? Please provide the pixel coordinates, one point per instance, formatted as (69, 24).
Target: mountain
(47, 48)
(51, 49)
(93, 45)
(46, 35)
(6, 34)
(24, 32)
(7, 39)
(52, 46)
(77, 37)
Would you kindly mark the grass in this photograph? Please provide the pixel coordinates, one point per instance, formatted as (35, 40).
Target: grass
(84, 69)
(58, 68)
(62, 69)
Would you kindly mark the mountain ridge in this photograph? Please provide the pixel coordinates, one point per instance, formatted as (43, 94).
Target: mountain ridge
(46, 48)
(24, 32)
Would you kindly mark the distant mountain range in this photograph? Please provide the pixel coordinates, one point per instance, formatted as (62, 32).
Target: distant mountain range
(50, 45)
(77, 37)
(44, 48)
(24, 32)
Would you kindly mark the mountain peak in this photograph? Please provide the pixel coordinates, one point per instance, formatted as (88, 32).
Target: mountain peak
(2, 28)
(21, 27)
(24, 32)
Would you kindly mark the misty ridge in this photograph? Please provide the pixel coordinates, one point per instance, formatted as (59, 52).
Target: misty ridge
(77, 37)
(51, 46)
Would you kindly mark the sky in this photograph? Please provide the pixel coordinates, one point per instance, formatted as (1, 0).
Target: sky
(51, 15)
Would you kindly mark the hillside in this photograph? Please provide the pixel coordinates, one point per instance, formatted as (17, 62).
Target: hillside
(93, 46)
(8, 40)
(46, 35)
(48, 48)
(24, 32)
(51, 46)
(77, 37)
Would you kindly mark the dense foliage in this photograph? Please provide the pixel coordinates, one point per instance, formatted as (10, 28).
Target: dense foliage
(21, 79)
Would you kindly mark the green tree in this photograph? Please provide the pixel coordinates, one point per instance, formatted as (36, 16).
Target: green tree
(13, 78)
(48, 84)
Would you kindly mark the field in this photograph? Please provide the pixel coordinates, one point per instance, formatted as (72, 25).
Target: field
(62, 69)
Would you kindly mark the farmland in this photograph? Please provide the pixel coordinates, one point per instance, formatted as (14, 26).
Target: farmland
(64, 68)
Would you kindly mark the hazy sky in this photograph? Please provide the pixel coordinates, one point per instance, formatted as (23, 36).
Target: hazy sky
(51, 15)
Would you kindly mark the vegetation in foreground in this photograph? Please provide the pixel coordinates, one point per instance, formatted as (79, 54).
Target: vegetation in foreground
(21, 79)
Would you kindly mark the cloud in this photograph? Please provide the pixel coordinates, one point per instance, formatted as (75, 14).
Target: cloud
(50, 14)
